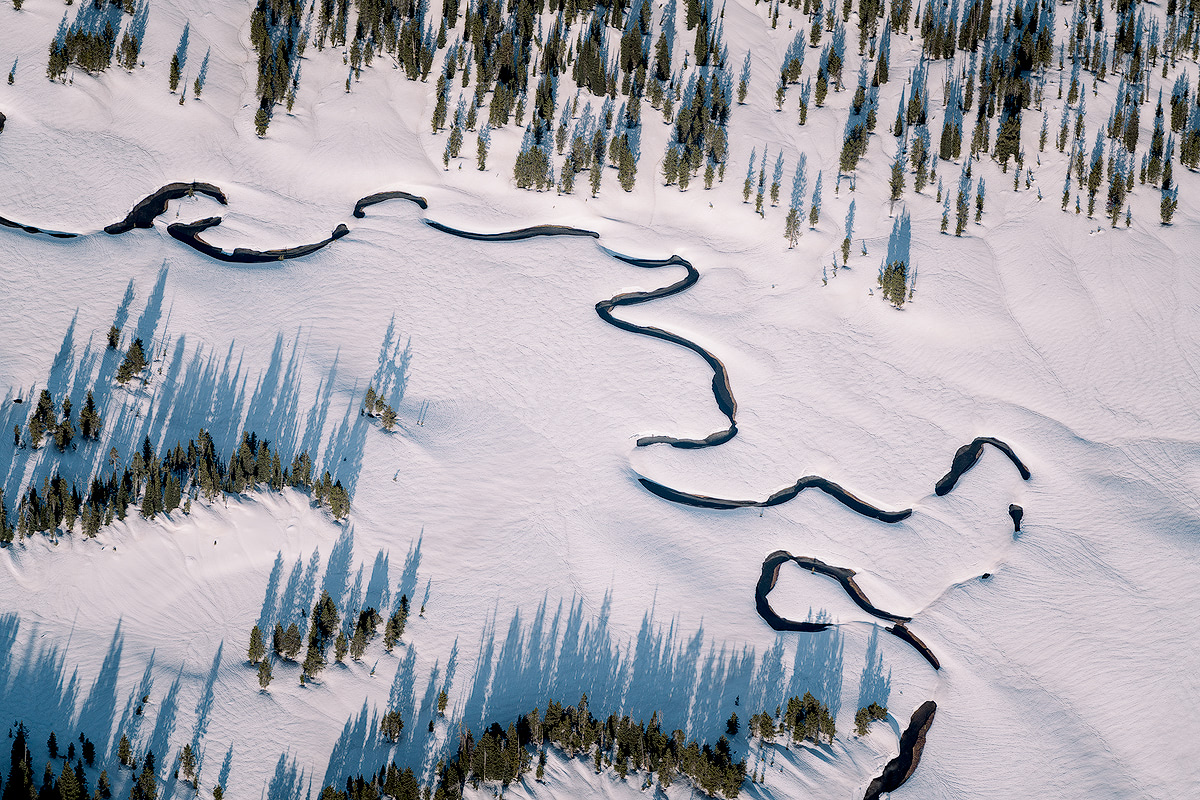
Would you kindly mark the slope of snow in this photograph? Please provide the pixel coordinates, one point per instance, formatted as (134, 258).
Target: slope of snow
(516, 503)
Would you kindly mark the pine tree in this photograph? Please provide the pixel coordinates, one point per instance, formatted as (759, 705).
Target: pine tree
(134, 363)
(744, 82)
(125, 752)
(187, 762)
(776, 177)
(962, 204)
(1168, 204)
(483, 140)
(264, 673)
(979, 195)
(340, 646)
(896, 182)
(89, 419)
(173, 80)
(391, 725)
(814, 211)
(114, 337)
(849, 234)
(748, 187)
(257, 648)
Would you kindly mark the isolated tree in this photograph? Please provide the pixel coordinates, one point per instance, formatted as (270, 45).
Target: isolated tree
(776, 178)
(744, 81)
(814, 211)
(173, 79)
(187, 762)
(134, 363)
(849, 234)
(748, 186)
(114, 337)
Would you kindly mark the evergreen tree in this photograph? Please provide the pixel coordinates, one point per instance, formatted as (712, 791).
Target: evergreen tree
(849, 234)
(187, 762)
(89, 419)
(264, 673)
(896, 182)
(744, 81)
(134, 363)
(979, 196)
(1168, 204)
(394, 629)
(173, 79)
(814, 211)
(776, 178)
(257, 649)
(748, 187)
(391, 725)
(125, 752)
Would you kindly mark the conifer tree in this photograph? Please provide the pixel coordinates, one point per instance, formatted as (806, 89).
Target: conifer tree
(134, 363)
(979, 196)
(896, 182)
(962, 204)
(173, 79)
(187, 762)
(89, 419)
(748, 187)
(776, 177)
(744, 81)
(814, 211)
(849, 234)
(264, 673)
(391, 725)
(125, 752)
(257, 649)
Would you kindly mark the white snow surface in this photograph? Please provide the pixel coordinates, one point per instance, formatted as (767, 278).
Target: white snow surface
(507, 499)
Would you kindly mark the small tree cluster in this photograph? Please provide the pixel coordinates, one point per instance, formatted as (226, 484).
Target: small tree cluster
(866, 715)
(375, 406)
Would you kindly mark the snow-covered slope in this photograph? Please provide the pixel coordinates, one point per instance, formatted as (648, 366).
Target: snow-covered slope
(507, 501)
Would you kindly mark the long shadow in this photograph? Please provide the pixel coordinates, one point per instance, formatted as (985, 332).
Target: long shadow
(874, 686)
(205, 703)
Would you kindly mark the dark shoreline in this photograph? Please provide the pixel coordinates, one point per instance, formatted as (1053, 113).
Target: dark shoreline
(897, 771)
(189, 234)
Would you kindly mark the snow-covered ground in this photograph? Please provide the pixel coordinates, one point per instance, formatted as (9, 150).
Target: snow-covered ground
(507, 500)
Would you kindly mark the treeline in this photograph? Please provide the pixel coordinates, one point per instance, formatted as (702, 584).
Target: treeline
(161, 483)
(324, 627)
(69, 782)
(617, 744)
